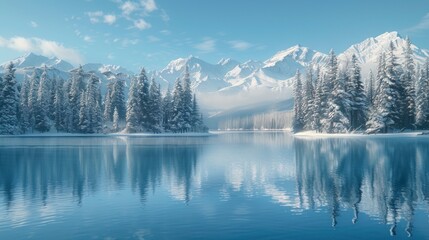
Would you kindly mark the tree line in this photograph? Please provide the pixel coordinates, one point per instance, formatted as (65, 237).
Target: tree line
(44, 103)
(336, 100)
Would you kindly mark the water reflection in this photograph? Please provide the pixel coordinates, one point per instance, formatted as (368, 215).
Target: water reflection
(219, 182)
(36, 172)
(385, 178)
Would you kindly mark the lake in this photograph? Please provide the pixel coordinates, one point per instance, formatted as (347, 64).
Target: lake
(229, 186)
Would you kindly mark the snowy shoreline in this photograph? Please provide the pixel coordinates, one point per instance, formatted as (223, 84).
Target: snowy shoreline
(314, 134)
(111, 135)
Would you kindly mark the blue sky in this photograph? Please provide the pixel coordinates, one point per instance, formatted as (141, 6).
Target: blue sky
(150, 33)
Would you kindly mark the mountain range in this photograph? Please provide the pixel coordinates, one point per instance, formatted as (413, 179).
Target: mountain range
(229, 83)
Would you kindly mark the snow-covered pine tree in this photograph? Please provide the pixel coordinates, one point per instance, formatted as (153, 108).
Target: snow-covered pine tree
(52, 91)
(155, 107)
(308, 99)
(195, 120)
(43, 123)
(67, 109)
(393, 89)
(92, 104)
(317, 106)
(143, 89)
(330, 118)
(408, 82)
(60, 107)
(422, 99)
(187, 101)
(118, 97)
(115, 120)
(167, 107)
(83, 124)
(32, 97)
(370, 90)
(24, 117)
(9, 102)
(383, 114)
(177, 121)
(338, 106)
(77, 88)
(133, 124)
(107, 113)
(298, 120)
(358, 105)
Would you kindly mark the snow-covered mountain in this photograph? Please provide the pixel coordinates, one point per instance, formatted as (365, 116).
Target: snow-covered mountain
(206, 77)
(229, 83)
(32, 60)
(369, 50)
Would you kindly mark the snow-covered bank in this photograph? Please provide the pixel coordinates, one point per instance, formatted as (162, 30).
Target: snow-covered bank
(114, 135)
(314, 134)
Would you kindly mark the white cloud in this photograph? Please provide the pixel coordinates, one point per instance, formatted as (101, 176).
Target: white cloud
(208, 45)
(141, 24)
(94, 17)
(422, 25)
(153, 39)
(88, 38)
(43, 47)
(165, 32)
(126, 42)
(110, 56)
(164, 16)
(34, 24)
(240, 45)
(109, 19)
(148, 5)
(128, 7)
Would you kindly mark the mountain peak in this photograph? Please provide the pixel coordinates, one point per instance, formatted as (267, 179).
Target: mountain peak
(388, 36)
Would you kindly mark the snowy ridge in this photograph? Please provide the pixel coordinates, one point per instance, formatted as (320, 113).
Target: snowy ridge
(227, 77)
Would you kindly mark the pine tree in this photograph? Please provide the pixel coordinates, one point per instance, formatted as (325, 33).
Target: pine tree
(333, 89)
(9, 102)
(42, 123)
(52, 92)
(107, 113)
(370, 89)
(115, 120)
(187, 101)
(318, 106)
(167, 106)
(298, 121)
(338, 105)
(92, 105)
(77, 87)
(195, 120)
(422, 99)
(308, 99)
(358, 108)
(143, 88)
(384, 112)
(24, 116)
(32, 98)
(133, 108)
(118, 98)
(408, 81)
(393, 89)
(177, 122)
(155, 107)
(60, 111)
(83, 124)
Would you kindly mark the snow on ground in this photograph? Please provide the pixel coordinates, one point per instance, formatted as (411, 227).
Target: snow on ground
(113, 135)
(314, 134)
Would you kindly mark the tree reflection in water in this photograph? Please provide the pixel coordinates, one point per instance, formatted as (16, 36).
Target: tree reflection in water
(385, 178)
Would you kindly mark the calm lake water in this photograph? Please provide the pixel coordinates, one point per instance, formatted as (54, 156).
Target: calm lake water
(229, 186)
